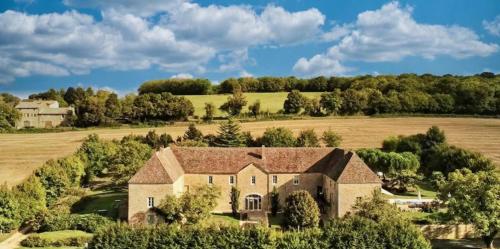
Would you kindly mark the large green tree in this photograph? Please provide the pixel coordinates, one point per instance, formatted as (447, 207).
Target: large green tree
(474, 198)
(301, 210)
(229, 135)
(278, 137)
(307, 138)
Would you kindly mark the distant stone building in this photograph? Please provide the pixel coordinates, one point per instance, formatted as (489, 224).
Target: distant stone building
(41, 114)
(336, 178)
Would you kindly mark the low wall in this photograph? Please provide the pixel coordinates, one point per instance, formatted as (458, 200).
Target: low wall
(448, 231)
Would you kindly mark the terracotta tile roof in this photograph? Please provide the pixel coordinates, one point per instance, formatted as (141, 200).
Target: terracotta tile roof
(162, 168)
(333, 162)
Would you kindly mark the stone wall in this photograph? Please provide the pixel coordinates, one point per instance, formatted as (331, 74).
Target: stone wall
(347, 194)
(459, 231)
(138, 197)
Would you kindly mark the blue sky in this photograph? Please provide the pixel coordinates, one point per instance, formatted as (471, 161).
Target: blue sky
(117, 44)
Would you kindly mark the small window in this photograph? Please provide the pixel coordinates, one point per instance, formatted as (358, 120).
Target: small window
(253, 180)
(296, 180)
(275, 179)
(231, 180)
(151, 202)
(210, 180)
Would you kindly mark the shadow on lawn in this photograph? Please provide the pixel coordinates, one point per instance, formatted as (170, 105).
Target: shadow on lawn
(106, 203)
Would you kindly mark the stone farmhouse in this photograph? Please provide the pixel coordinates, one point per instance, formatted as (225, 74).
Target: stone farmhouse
(335, 177)
(41, 114)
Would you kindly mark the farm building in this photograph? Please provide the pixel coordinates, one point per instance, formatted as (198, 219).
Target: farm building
(41, 114)
(336, 178)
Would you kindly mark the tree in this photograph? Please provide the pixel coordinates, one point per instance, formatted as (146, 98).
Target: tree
(129, 158)
(400, 168)
(331, 102)
(331, 138)
(8, 116)
(312, 107)
(113, 107)
(96, 155)
(255, 108)
(307, 138)
(229, 135)
(209, 112)
(275, 201)
(278, 137)
(294, 102)
(170, 209)
(192, 133)
(474, 199)
(234, 103)
(353, 101)
(434, 136)
(301, 210)
(197, 204)
(235, 200)
(9, 210)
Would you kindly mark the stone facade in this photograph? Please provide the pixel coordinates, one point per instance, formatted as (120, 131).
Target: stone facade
(41, 114)
(255, 180)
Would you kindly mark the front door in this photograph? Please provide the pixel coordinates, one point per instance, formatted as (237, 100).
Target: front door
(253, 202)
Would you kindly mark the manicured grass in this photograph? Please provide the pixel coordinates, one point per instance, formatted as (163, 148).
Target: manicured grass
(63, 234)
(272, 102)
(426, 191)
(223, 219)
(21, 154)
(101, 202)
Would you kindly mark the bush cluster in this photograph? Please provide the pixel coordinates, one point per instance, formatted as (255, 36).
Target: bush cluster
(84, 222)
(37, 241)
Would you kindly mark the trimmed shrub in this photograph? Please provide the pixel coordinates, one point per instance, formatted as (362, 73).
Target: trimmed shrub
(301, 210)
(37, 241)
(85, 222)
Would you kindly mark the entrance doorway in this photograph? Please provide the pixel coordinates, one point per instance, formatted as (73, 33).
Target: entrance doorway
(253, 202)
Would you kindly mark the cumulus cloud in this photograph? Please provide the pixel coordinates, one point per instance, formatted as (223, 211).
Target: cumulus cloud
(493, 26)
(141, 8)
(391, 34)
(182, 76)
(183, 37)
(236, 27)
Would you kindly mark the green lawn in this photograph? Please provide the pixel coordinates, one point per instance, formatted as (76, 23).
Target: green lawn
(63, 234)
(271, 102)
(101, 202)
(222, 219)
(426, 191)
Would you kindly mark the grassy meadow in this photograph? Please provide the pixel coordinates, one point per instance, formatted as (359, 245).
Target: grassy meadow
(271, 102)
(20, 154)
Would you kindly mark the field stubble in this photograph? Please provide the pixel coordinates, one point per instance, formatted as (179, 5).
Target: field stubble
(20, 154)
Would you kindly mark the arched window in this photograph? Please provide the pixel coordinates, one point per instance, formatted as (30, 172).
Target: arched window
(253, 202)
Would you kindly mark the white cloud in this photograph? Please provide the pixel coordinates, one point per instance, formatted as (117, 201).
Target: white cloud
(337, 32)
(182, 76)
(320, 65)
(141, 8)
(236, 27)
(183, 38)
(244, 73)
(391, 34)
(493, 26)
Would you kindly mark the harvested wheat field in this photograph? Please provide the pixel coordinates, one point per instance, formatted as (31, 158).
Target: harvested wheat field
(20, 154)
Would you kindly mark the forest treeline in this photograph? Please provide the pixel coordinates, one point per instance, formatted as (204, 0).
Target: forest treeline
(160, 100)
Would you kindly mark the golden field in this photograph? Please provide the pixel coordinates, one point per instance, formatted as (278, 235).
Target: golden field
(20, 154)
